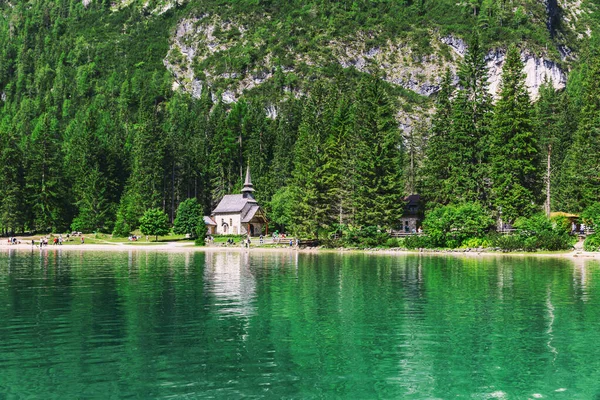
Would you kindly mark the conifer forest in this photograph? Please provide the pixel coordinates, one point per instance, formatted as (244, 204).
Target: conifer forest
(111, 108)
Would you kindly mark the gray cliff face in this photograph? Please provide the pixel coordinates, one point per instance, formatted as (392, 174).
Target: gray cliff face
(195, 40)
(537, 70)
(458, 45)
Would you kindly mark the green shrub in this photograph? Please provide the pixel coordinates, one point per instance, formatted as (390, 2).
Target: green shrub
(508, 242)
(538, 232)
(592, 242)
(591, 216)
(451, 225)
(200, 231)
(368, 236)
(553, 241)
(546, 240)
(476, 243)
(189, 218)
(391, 242)
(122, 228)
(416, 242)
(330, 243)
(561, 224)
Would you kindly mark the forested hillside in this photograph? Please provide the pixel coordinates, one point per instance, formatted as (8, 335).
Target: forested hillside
(341, 108)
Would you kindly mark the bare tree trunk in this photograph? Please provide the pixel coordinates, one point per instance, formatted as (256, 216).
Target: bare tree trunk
(548, 165)
(173, 191)
(412, 171)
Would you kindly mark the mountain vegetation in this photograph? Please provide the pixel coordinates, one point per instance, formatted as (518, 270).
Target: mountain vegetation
(110, 110)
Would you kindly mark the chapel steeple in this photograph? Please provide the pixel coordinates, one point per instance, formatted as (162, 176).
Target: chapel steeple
(248, 189)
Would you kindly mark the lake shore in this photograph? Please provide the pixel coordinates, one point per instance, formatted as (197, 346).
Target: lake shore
(185, 247)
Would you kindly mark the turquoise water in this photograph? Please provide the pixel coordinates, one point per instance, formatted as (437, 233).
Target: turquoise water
(228, 325)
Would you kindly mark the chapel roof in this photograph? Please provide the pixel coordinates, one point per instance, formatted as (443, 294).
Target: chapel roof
(250, 213)
(231, 203)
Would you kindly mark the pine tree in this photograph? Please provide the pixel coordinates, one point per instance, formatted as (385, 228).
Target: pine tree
(338, 168)
(414, 143)
(379, 157)
(145, 186)
(309, 206)
(437, 161)
(463, 149)
(554, 130)
(581, 174)
(514, 145)
(224, 154)
(286, 134)
(473, 79)
(12, 216)
(45, 184)
(457, 159)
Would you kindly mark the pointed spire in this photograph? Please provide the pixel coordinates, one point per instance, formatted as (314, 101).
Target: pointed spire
(248, 187)
(248, 182)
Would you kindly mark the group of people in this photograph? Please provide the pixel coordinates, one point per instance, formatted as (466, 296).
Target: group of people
(581, 230)
(261, 240)
(13, 240)
(57, 241)
(278, 237)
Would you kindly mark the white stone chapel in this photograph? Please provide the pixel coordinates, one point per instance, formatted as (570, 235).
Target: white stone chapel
(238, 214)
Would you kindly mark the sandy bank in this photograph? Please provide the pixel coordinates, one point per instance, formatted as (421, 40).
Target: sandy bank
(185, 247)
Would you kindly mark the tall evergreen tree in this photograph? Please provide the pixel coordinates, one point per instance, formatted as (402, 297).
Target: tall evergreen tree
(379, 157)
(286, 133)
(309, 205)
(338, 169)
(456, 157)
(554, 124)
(514, 145)
(581, 173)
(12, 190)
(145, 187)
(436, 169)
(45, 181)
(224, 153)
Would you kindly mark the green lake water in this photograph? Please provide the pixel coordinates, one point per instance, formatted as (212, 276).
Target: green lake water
(228, 325)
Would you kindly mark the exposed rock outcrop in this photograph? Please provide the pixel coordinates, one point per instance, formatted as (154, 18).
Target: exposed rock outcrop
(194, 41)
(397, 63)
(457, 44)
(536, 69)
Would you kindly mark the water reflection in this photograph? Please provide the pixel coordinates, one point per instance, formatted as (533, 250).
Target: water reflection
(227, 275)
(581, 266)
(144, 324)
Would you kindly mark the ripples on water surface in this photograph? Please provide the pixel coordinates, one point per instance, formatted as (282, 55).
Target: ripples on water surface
(230, 325)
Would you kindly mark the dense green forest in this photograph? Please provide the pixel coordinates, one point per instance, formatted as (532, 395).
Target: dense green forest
(92, 132)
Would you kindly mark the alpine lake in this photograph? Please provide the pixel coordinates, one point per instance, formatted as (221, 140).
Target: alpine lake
(144, 324)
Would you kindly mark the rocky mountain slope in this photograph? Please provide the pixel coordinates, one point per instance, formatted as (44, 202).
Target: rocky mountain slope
(236, 52)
